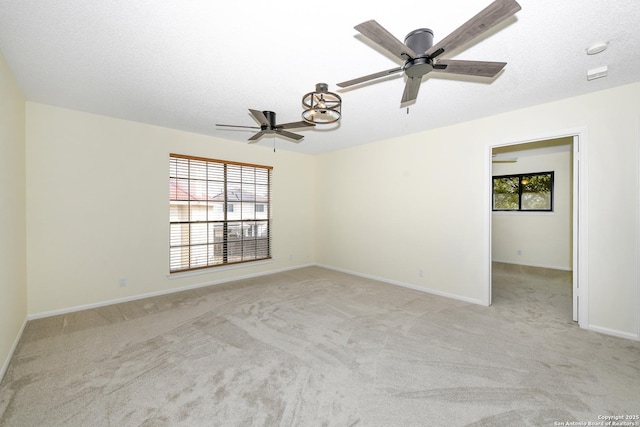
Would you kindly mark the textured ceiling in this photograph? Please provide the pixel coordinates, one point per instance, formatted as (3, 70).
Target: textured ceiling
(191, 64)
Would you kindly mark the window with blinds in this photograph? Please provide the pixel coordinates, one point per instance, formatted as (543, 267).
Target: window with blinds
(219, 213)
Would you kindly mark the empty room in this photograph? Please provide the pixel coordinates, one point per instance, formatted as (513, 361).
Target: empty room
(361, 213)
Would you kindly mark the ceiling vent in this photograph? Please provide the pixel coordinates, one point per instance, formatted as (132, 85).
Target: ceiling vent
(596, 73)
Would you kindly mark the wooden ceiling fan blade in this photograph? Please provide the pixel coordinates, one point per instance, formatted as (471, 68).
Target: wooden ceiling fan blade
(290, 135)
(257, 136)
(369, 77)
(260, 117)
(377, 33)
(470, 68)
(294, 125)
(486, 19)
(236, 126)
(411, 89)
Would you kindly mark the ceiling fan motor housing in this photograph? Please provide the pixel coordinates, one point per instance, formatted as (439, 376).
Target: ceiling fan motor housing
(419, 40)
(271, 118)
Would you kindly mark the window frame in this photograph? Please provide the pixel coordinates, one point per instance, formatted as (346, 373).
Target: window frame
(201, 202)
(520, 176)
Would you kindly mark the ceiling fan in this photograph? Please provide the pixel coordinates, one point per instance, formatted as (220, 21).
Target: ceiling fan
(421, 57)
(268, 126)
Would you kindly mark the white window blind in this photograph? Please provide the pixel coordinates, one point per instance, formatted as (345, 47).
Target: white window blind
(219, 212)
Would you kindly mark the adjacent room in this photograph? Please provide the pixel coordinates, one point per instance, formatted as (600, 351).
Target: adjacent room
(532, 231)
(193, 235)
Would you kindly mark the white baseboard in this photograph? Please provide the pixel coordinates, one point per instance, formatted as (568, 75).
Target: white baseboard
(157, 293)
(12, 350)
(552, 267)
(405, 285)
(41, 315)
(595, 328)
(614, 332)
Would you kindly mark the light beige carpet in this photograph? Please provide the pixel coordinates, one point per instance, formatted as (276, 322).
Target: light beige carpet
(314, 347)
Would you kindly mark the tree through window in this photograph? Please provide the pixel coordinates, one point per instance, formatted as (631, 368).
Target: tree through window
(523, 192)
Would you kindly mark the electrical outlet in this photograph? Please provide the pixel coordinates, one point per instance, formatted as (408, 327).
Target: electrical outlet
(122, 282)
(519, 251)
(420, 273)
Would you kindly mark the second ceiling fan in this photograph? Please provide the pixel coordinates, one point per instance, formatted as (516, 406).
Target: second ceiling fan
(420, 56)
(268, 126)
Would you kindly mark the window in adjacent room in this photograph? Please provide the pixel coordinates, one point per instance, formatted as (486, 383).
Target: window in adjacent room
(220, 213)
(528, 192)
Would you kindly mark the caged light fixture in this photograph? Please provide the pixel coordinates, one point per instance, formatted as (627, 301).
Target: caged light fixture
(321, 106)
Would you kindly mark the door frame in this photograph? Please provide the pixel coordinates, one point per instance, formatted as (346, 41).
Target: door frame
(579, 222)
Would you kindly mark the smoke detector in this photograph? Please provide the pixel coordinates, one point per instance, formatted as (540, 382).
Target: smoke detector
(597, 48)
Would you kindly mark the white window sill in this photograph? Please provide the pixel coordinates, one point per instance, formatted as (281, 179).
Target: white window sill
(521, 213)
(212, 270)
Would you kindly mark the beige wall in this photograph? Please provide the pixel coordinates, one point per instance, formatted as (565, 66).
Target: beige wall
(405, 206)
(13, 281)
(421, 202)
(97, 205)
(543, 239)
(98, 210)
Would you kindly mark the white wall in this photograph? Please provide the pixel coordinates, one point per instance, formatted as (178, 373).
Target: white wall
(537, 239)
(391, 208)
(13, 281)
(98, 210)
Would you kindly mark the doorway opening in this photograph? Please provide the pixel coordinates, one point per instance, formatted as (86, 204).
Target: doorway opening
(545, 249)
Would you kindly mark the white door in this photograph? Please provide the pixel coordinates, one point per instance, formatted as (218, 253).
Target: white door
(576, 227)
